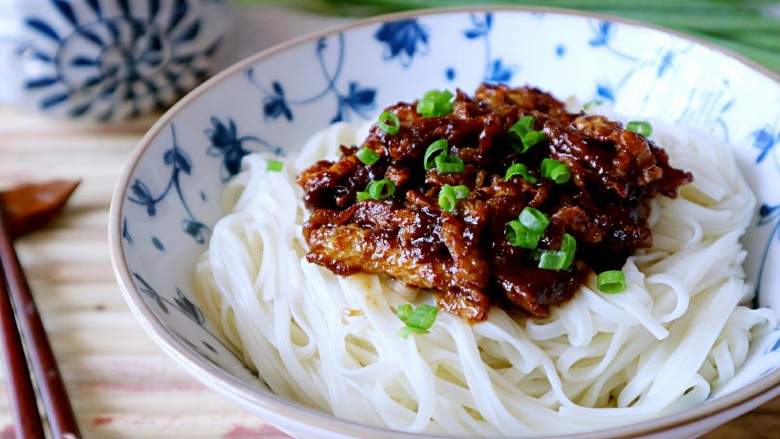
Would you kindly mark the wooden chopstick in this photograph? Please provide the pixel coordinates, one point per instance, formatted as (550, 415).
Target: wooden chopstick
(59, 413)
(18, 382)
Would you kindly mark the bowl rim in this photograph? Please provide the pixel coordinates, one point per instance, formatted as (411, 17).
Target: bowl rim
(730, 405)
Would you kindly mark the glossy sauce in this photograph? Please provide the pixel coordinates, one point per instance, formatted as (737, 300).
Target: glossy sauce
(463, 256)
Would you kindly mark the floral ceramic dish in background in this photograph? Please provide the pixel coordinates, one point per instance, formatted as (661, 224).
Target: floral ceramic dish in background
(169, 196)
(105, 59)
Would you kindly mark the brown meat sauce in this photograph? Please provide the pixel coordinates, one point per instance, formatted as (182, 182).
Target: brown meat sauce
(464, 256)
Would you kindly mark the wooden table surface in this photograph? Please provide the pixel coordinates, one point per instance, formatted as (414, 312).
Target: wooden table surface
(121, 384)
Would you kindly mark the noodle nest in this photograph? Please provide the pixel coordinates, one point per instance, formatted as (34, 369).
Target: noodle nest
(676, 334)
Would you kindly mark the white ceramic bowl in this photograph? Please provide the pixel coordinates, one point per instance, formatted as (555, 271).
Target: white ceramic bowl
(168, 198)
(105, 59)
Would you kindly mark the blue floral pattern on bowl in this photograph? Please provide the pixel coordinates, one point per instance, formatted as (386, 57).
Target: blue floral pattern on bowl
(356, 99)
(403, 39)
(107, 59)
(351, 74)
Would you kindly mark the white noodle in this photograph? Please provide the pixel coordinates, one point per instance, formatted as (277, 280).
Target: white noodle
(601, 360)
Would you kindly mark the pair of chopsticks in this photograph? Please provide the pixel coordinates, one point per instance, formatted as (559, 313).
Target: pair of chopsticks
(15, 295)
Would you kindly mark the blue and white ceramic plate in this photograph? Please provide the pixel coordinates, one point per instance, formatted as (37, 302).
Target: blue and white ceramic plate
(168, 198)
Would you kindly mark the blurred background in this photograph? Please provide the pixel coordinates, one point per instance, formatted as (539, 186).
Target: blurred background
(748, 27)
(113, 60)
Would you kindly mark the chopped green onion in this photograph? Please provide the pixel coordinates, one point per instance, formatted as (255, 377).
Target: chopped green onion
(367, 156)
(447, 198)
(528, 229)
(435, 103)
(552, 259)
(274, 166)
(555, 170)
(423, 316)
(568, 246)
(519, 236)
(389, 123)
(640, 127)
(437, 147)
(521, 170)
(426, 107)
(449, 164)
(377, 190)
(406, 331)
(557, 259)
(534, 220)
(522, 134)
(594, 103)
(403, 311)
(462, 192)
(418, 320)
(612, 281)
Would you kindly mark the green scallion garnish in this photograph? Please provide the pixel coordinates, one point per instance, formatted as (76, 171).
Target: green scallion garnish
(518, 235)
(557, 259)
(435, 148)
(377, 190)
(527, 229)
(522, 134)
(418, 320)
(594, 103)
(403, 311)
(521, 170)
(449, 196)
(449, 164)
(640, 127)
(552, 259)
(437, 154)
(534, 220)
(274, 166)
(389, 123)
(367, 156)
(555, 170)
(611, 282)
(568, 246)
(462, 192)
(435, 103)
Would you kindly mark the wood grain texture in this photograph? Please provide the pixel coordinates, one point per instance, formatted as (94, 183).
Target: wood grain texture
(121, 384)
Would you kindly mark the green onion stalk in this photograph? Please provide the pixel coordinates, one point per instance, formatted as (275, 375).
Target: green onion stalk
(748, 27)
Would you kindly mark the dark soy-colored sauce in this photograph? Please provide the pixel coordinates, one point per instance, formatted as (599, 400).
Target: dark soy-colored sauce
(464, 256)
